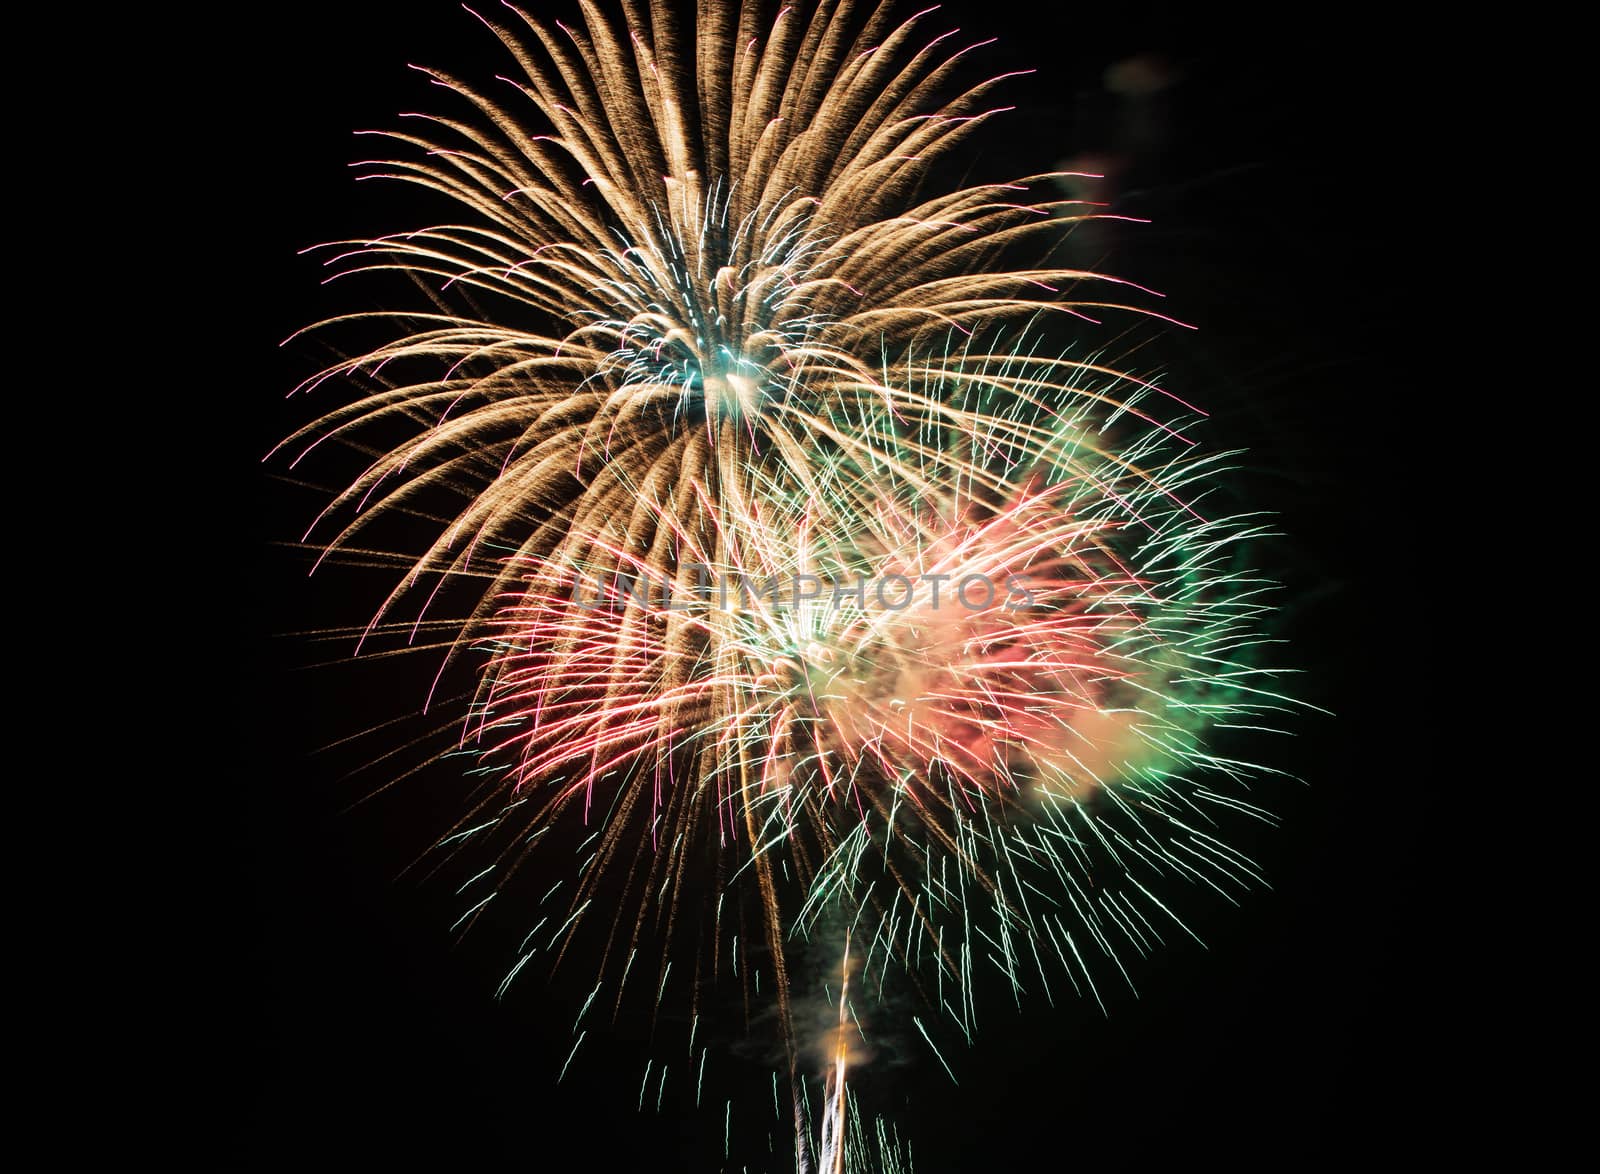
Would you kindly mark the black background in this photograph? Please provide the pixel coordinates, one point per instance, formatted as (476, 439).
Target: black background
(346, 1021)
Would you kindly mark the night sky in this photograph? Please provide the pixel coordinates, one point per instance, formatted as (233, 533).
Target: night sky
(355, 1026)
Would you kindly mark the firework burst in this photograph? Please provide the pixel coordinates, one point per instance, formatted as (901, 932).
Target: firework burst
(722, 232)
(808, 587)
(895, 681)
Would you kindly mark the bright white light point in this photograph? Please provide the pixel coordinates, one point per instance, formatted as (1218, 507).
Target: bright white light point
(735, 395)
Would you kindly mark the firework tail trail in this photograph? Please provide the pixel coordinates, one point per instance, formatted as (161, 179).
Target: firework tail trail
(835, 1101)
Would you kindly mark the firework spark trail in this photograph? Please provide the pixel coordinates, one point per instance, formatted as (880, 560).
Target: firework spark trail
(697, 319)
